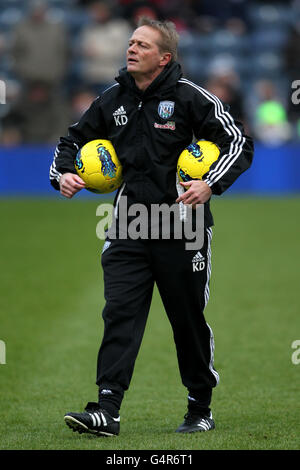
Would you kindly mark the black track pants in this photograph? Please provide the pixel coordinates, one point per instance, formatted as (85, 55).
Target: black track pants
(182, 276)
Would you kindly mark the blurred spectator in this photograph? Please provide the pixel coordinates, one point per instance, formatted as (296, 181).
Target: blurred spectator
(80, 102)
(137, 9)
(292, 53)
(225, 85)
(39, 48)
(103, 44)
(218, 43)
(230, 14)
(177, 11)
(271, 125)
(38, 116)
(3, 45)
(292, 62)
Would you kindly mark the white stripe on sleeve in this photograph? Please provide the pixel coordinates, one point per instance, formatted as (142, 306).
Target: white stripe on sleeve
(227, 121)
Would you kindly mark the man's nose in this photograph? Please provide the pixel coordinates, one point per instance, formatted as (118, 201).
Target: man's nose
(132, 48)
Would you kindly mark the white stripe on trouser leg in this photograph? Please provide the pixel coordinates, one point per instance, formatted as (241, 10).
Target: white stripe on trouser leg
(212, 350)
(208, 268)
(118, 200)
(206, 296)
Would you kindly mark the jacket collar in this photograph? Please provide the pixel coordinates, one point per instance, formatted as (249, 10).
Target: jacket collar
(162, 85)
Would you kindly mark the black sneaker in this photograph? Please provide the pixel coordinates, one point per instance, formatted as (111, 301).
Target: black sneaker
(94, 420)
(196, 423)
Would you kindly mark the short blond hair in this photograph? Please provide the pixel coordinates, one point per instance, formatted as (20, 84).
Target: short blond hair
(168, 34)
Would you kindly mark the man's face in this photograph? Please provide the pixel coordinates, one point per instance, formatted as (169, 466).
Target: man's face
(143, 55)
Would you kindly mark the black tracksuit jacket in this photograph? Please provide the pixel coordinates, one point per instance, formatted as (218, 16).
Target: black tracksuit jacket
(148, 145)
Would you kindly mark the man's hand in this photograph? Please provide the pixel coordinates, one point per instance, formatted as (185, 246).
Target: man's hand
(198, 193)
(70, 184)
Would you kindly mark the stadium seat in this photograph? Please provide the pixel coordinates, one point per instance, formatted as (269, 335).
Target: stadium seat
(267, 64)
(268, 40)
(62, 3)
(269, 16)
(9, 17)
(75, 19)
(6, 4)
(193, 54)
(194, 44)
(225, 41)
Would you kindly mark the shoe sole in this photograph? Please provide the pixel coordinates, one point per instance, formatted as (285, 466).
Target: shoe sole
(195, 430)
(76, 425)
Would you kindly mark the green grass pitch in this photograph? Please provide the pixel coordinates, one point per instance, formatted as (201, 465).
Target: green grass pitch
(51, 301)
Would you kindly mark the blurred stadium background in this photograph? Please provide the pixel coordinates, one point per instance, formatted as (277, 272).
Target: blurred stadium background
(57, 55)
(55, 58)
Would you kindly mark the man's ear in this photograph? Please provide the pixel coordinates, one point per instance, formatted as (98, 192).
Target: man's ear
(166, 58)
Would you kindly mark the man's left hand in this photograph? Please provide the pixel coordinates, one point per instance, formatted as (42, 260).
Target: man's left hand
(198, 192)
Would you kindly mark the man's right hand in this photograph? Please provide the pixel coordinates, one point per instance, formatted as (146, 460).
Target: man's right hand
(70, 184)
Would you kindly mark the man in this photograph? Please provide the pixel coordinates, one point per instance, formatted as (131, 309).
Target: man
(102, 43)
(31, 62)
(148, 150)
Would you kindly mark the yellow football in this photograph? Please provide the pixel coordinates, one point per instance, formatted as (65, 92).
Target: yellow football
(99, 167)
(196, 159)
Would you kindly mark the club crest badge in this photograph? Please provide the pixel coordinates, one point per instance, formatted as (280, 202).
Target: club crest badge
(166, 109)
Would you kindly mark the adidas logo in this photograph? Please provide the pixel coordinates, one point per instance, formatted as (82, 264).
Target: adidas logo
(119, 111)
(120, 116)
(198, 262)
(198, 257)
